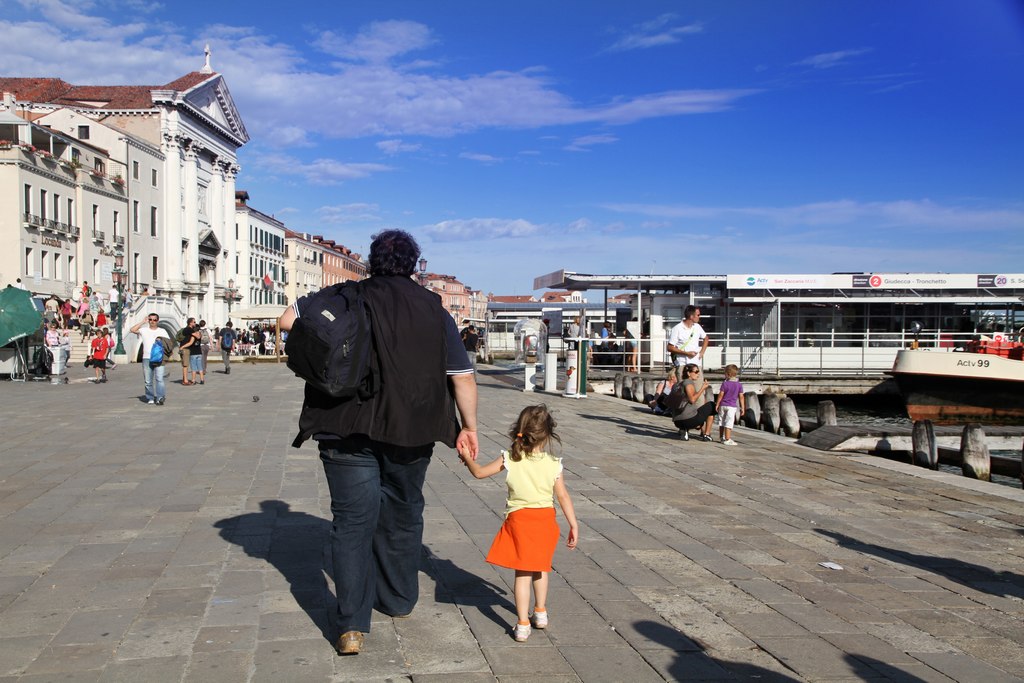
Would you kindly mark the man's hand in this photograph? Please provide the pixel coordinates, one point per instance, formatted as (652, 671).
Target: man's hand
(467, 445)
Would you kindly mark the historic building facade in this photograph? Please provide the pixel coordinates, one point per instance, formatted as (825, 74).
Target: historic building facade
(261, 249)
(174, 148)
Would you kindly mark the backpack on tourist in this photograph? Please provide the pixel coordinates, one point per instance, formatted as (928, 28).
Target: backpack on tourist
(331, 343)
(160, 352)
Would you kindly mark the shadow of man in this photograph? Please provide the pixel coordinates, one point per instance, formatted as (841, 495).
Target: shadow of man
(458, 586)
(295, 544)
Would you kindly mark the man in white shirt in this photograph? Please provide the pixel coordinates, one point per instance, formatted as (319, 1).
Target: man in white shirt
(687, 341)
(154, 376)
(114, 298)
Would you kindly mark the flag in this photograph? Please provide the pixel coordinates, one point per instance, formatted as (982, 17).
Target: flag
(267, 282)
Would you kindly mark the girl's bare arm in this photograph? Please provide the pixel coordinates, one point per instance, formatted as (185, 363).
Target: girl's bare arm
(565, 502)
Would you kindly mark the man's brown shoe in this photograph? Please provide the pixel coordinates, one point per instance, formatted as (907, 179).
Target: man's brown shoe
(350, 642)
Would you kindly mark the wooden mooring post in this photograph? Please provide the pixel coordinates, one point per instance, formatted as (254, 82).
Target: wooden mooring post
(974, 453)
(752, 415)
(770, 418)
(788, 418)
(826, 413)
(925, 448)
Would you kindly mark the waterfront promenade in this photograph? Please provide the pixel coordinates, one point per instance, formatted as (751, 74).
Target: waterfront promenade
(187, 543)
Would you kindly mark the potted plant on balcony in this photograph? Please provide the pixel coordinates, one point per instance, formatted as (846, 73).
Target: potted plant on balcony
(118, 180)
(75, 164)
(97, 173)
(5, 144)
(28, 148)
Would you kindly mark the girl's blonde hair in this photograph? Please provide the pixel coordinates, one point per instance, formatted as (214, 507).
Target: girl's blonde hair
(534, 428)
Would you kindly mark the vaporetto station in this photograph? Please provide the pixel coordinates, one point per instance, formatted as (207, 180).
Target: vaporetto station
(836, 324)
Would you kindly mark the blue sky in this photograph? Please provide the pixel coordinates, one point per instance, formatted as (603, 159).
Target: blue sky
(518, 138)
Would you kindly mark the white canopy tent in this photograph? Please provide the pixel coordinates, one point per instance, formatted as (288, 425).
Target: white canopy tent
(264, 312)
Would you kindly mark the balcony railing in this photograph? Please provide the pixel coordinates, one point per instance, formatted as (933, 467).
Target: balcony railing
(33, 219)
(98, 235)
(119, 239)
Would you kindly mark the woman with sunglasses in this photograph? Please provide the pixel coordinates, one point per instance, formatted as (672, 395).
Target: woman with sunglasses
(696, 410)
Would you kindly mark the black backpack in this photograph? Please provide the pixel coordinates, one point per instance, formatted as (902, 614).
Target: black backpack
(331, 346)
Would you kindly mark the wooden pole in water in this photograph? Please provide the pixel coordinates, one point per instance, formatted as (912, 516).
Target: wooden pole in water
(752, 415)
(926, 450)
(826, 413)
(788, 418)
(620, 378)
(770, 418)
(974, 453)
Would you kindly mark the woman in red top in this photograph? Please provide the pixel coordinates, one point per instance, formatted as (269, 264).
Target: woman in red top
(100, 346)
(101, 318)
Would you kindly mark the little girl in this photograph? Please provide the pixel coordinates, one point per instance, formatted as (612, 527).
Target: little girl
(526, 541)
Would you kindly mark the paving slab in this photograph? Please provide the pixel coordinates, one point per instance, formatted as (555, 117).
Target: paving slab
(141, 554)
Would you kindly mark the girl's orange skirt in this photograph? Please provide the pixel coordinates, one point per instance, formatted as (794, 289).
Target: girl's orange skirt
(526, 541)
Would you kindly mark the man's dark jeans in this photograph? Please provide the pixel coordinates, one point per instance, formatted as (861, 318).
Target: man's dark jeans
(377, 503)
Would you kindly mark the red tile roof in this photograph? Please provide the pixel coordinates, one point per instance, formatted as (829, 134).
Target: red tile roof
(111, 97)
(517, 299)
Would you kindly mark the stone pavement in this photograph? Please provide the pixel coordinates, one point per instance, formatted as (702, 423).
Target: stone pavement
(188, 542)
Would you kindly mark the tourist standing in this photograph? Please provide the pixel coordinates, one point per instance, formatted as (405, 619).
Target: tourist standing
(205, 341)
(185, 348)
(687, 342)
(152, 374)
(471, 340)
(376, 451)
(99, 348)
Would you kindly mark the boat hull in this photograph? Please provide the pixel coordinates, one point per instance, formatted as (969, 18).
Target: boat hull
(956, 388)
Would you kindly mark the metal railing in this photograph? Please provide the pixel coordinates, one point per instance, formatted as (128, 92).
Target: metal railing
(98, 235)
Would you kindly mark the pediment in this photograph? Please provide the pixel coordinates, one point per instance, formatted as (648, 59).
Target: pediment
(213, 99)
(208, 242)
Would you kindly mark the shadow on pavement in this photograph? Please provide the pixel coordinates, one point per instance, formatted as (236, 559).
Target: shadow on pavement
(692, 664)
(670, 431)
(458, 586)
(294, 543)
(974, 576)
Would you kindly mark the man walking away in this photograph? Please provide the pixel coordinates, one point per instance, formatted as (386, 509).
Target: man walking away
(375, 452)
(227, 343)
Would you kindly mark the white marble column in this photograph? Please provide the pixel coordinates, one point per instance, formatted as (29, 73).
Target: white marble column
(170, 232)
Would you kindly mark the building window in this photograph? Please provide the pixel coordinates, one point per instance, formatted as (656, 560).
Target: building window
(135, 216)
(71, 216)
(72, 275)
(100, 166)
(28, 198)
(42, 204)
(134, 275)
(152, 221)
(95, 217)
(56, 207)
(156, 270)
(83, 132)
(135, 170)
(57, 274)
(117, 224)
(76, 155)
(154, 177)
(95, 271)
(45, 257)
(30, 267)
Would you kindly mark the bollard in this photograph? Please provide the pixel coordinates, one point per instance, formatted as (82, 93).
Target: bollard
(551, 372)
(974, 455)
(926, 450)
(627, 387)
(770, 418)
(752, 415)
(649, 386)
(826, 413)
(619, 380)
(638, 388)
(788, 418)
(531, 373)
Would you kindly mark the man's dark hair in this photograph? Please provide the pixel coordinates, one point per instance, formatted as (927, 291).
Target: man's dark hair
(690, 310)
(393, 252)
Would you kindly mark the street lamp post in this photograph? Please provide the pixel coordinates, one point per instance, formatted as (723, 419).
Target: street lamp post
(423, 272)
(119, 274)
(230, 293)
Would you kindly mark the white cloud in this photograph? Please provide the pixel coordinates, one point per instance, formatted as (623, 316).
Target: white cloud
(665, 30)
(482, 158)
(827, 60)
(393, 147)
(318, 171)
(480, 229)
(377, 42)
(366, 90)
(348, 213)
(923, 214)
(584, 143)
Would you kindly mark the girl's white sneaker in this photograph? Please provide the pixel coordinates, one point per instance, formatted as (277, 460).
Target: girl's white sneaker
(540, 619)
(521, 632)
